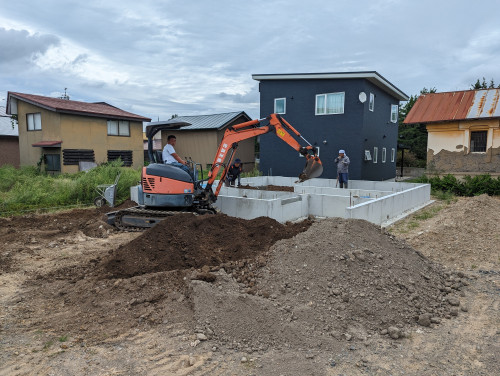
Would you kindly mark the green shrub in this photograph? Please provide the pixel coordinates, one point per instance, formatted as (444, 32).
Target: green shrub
(469, 186)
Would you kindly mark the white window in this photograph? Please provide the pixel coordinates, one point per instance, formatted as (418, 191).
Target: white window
(368, 156)
(123, 128)
(384, 152)
(280, 105)
(375, 154)
(34, 121)
(118, 128)
(393, 154)
(371, 106)
(331, 103)
(394, 113)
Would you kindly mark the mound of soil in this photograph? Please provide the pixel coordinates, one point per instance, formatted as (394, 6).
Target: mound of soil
(463, 234)
(143, 282)
(186, 241)
(340, 280)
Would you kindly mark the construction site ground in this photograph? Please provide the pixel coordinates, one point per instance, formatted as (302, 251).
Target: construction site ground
(216, 295)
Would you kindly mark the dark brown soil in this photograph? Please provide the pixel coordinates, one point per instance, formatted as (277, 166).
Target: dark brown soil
(53, 225)
(278, 188)
(185, 241)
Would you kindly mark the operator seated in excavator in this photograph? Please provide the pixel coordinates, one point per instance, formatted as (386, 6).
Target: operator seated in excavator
(170, 157)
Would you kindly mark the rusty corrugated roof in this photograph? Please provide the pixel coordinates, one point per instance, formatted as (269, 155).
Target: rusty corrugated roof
(455, 105)
(75, 107)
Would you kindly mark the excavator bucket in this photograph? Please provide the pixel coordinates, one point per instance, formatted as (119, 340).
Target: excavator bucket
(313, 169)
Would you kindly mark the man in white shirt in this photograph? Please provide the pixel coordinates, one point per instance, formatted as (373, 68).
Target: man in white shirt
(170, 156)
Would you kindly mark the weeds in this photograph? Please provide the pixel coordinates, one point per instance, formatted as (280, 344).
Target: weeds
(412, 224)
(47, 345)
(469, 186)
(427, 214)
(26, 189)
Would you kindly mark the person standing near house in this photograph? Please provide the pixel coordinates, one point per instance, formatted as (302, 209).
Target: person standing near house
(170, 156)
(342, 162)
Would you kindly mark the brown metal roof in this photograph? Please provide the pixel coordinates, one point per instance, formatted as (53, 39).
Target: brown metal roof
(47, 144)
(455, 105)
(75, 107)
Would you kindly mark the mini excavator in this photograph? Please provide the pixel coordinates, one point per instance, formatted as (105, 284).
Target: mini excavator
(167, 190)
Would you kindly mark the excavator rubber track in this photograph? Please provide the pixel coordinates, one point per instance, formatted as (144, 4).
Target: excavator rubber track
(139, 219)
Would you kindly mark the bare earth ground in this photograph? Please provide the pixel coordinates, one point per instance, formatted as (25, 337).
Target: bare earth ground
(215, 295)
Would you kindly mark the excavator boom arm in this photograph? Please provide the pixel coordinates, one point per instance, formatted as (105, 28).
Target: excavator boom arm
(253, 128)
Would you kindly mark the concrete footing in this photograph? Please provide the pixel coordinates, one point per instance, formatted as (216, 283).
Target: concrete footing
(375, 201)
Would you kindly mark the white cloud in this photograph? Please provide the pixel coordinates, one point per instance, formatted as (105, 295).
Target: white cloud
(191, 57)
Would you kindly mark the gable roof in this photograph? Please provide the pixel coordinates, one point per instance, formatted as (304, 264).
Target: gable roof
(455, 105)
(6, 125)
(215, 121)
(100, 109)
(372, 76)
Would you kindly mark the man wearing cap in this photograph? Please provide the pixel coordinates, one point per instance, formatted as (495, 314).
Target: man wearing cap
(342, 162)
(234, 173)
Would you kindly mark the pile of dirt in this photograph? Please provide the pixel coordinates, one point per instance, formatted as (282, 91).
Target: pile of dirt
(340, 280)
(186, 241)
(278, 188)
(143, 282)
(463, 234)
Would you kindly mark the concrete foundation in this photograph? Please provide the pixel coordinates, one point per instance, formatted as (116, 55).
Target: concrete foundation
(377, 202)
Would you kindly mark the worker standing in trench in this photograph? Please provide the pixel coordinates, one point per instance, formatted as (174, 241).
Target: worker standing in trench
(342, 162)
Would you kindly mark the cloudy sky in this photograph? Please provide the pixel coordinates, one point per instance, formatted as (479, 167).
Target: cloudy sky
(188, 57)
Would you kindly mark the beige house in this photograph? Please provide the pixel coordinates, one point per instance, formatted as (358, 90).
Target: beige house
(463, 130)
(200, 140)
(64, 134)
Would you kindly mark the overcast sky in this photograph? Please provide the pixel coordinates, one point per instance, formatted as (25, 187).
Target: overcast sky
(188, 57)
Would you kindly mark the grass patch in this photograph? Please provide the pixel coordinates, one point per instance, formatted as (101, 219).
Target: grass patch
(63, 338)
(445, 196)
(412, 224)
(27, 189)
(427, 213)
(47, 345)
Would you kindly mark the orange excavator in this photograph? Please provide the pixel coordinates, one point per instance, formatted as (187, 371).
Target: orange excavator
(167, 190)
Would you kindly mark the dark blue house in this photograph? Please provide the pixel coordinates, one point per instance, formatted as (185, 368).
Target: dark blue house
(354, 111)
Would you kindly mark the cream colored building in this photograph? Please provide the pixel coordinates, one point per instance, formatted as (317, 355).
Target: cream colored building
(463, 130)
(63, 134)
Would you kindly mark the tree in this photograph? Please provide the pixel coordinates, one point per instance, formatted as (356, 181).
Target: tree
(483, 85)
(413, 136)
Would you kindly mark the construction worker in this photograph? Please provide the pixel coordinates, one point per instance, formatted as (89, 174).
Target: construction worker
(234, 173)
(170, 156)
(342, 162)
